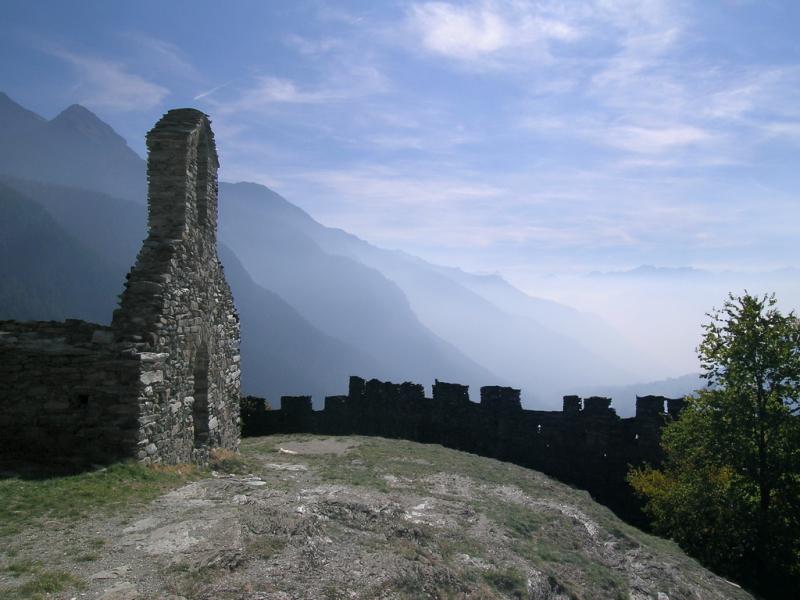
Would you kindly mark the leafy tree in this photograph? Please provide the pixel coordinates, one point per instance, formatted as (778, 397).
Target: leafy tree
(729, 488)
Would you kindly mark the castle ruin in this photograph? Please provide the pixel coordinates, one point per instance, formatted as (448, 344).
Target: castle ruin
(586, 444)
(161, 384)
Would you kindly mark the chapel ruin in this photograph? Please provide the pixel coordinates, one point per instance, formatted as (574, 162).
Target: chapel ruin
(161, 384)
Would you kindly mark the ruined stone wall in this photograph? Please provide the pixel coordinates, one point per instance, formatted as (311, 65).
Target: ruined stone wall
(66, 393)
(177, 308)
(586, 444)
(162, 383)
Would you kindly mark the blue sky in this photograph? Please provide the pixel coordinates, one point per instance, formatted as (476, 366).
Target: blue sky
(517, 137)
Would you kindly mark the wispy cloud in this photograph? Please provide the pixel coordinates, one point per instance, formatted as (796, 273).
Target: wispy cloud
(312, 46)
(161, 55)
(267, 91)
(386, 186)
(459, 32)
(653, 139)
(270, 90)
(636, 84)
(213, 90)
(784, 129)
(108, 84)
(486, 31)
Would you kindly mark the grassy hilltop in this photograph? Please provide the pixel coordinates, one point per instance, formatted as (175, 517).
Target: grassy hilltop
(345, 517)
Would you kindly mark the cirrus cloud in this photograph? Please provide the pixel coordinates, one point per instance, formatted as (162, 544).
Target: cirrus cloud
(485, 30)
(110, 85)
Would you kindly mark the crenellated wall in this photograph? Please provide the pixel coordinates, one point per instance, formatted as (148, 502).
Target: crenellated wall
(586, 444)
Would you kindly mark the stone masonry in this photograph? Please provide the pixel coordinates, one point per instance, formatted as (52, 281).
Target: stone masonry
(586, 444)
(162, 383)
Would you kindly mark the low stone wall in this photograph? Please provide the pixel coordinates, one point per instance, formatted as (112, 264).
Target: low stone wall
(586, 444)
(65, 394)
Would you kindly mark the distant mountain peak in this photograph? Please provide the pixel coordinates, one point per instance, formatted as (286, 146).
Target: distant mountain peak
(5, 100)
(15, 114)
(77, 111)
(76, 149)
(650, 271)
(655, 269)
(78, 118)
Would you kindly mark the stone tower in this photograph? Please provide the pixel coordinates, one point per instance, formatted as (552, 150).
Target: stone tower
(177, 307)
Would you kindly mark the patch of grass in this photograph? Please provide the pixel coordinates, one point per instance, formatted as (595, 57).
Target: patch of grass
(410, 585)
(653, 542)
(546, 540)
(330, 592)
(548, 552)
(86, 558)
(572, 568)
(22, 501)
(49, 582)
(368, 462)
(40, 582)
(265, 546)
(342, 469)
(604, 579)
(228, 461)
(426, 582)
(413, 552)
(188, 582)
(521, 521)
(454, 543)
(415, 544)
(509, 581)
(21, 567)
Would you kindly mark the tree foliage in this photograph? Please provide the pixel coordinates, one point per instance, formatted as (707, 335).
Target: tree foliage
(729, 488)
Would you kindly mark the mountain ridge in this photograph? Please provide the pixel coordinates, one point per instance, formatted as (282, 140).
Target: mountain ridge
(75, 148)
(417, 320)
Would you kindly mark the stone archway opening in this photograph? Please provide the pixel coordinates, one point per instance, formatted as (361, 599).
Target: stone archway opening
(200, 406)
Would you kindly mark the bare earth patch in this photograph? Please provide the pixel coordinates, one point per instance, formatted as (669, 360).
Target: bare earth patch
(354, 518)
(337, 446)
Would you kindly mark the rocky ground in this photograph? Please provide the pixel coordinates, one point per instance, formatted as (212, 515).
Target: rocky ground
(351, 517)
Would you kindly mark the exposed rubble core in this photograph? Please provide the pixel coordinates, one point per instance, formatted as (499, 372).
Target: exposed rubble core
(162, 383)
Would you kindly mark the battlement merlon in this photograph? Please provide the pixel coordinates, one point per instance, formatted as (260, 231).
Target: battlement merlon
(500, 399)
(652, 407)
(572, 405)
(675, 406)
(452, 394)
(598, 405)
(356, 388)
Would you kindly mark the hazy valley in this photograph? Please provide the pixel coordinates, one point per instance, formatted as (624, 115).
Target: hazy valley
(317, 304)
